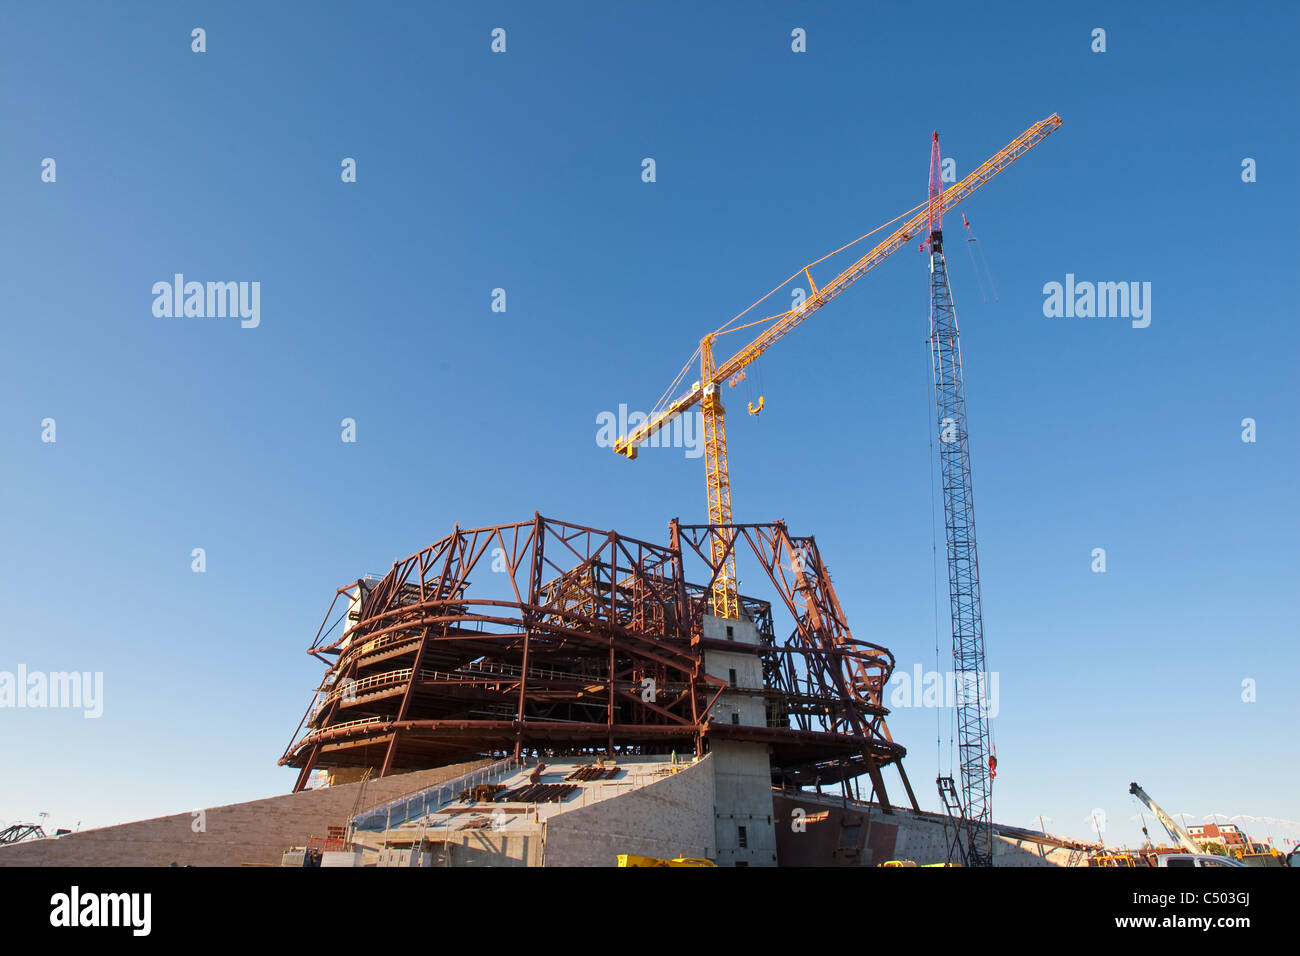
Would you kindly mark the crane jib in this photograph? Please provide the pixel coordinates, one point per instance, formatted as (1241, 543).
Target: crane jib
(785, 322)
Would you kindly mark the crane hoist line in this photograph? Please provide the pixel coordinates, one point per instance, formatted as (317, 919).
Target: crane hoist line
(707, 391)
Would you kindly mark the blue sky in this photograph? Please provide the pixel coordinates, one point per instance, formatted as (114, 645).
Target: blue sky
(522, 171)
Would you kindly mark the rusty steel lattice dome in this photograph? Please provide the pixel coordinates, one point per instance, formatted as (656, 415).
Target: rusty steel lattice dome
(550, 637)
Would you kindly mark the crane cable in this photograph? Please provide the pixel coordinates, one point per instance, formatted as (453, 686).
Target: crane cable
(1137, 805)
(724, 330)
(973, 243)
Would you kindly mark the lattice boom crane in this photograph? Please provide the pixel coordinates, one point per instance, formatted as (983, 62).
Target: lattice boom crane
(705, 392)
(975, 831)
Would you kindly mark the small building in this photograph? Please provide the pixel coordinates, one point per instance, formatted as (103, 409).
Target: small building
(1226, 835)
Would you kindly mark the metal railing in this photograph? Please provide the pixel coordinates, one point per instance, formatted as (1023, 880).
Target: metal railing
(415, 806)
(486, 671)
(353, 723)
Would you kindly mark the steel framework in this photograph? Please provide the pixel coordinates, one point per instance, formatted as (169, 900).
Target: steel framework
(18, 832)
(574, 640)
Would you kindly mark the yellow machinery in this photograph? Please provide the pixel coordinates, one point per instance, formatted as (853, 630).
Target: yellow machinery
(894, 863)
(706, 392)
(627, 859)
(1269, 857)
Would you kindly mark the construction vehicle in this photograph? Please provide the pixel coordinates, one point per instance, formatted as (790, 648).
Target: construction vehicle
(1176, 832)
(1194, 859)
(897, 863)
(1268, 858)
(707, 392)
(1195, 854)
(627, 859)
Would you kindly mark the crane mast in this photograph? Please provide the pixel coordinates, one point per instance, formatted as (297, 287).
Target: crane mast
(726, 600)
(963, 557)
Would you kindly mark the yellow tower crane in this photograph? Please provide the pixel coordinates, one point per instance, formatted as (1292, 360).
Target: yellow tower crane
(705, 392)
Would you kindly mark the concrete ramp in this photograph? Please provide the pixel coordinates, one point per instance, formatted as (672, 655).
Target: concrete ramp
(253, 833)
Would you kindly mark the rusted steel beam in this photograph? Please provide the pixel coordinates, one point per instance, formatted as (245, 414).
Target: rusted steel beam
(561, 661)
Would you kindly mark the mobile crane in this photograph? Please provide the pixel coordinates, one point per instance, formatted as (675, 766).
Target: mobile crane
(1174, 829)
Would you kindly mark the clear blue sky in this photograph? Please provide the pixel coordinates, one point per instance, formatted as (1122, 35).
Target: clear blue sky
(523, 171)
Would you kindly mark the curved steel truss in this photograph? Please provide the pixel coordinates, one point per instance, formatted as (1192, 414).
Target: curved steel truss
(550, 637)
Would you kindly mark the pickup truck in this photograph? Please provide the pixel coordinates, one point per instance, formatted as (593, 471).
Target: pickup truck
(1196, 859)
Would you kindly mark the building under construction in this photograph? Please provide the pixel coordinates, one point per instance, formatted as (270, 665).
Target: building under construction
(578, 669)
(520, 677)
(593, 705)
(550, 638)
(547, 694)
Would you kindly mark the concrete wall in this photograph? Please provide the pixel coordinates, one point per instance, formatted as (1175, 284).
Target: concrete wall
(255, 832)
(746, 700)
(921, 839)
(1010, 851)
(814, 834)
(742, 769)
(743, 784)
(673, 817)
(485, 848)
(825, 834)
